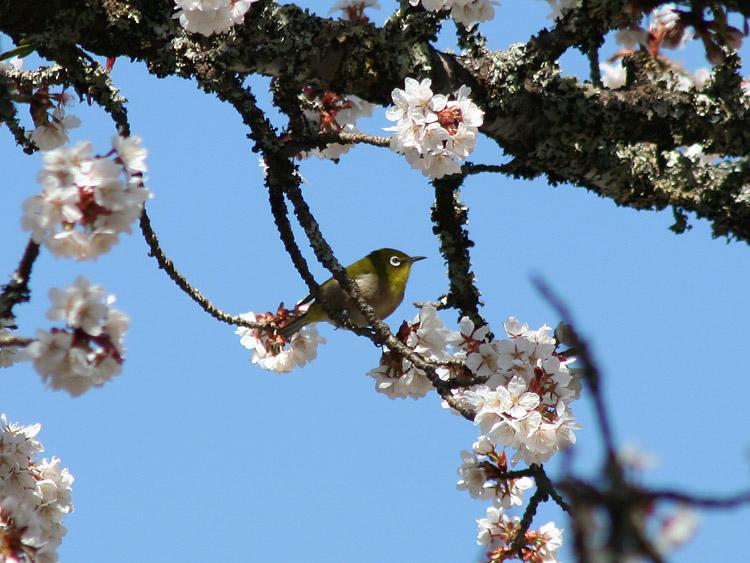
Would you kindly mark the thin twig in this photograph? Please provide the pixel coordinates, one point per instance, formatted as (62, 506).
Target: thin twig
(700, 501)
(519, 541)
(590, 370)
(469, 168)
(545, 491)
(296, 144)
(15, 341)
(281, 219)
(543, 481)
(286, 97)
(169, 268)
(17, 289)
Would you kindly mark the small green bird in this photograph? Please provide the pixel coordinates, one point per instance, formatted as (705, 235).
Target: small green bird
(381, 277)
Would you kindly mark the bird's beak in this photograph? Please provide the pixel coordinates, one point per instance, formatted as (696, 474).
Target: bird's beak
(413, 259)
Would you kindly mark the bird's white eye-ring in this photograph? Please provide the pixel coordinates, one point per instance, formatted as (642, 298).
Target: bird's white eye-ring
(395, 261)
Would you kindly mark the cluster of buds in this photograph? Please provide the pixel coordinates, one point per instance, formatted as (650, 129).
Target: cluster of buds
(90, 350)
(329, 112)
(87, 200)
(271, 350)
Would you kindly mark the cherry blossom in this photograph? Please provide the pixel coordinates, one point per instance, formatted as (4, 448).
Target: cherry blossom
(208, 17)
(86, 200)
(398, 379)
(90, 350)
(51, 131)
(474, 477)
(613, 75)
(327, 112)
(273, 352)
(433, 131)
(467, 12)
(35, 496)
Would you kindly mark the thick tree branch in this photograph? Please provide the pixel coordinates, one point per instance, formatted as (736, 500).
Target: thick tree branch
(450, 216)
(611, 142)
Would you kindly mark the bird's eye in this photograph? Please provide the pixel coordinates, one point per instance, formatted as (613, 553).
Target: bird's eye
(395, 261)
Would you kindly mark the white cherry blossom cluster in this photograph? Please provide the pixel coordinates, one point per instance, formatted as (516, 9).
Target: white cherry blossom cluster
(327, 112)
(499, 530)
(434, 131)
(86, 200)
(524, 403)
(90, 350)
(467, 12)
(51, 132)
(483, 475)
(211, 16)
(665, 30)
(273, 352)
(35, 496)
(397, 377)
(51, 129)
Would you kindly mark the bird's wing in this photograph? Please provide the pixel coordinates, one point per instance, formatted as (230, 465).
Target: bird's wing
(304, 301)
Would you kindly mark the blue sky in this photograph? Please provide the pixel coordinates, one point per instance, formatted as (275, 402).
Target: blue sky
(193, 454)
